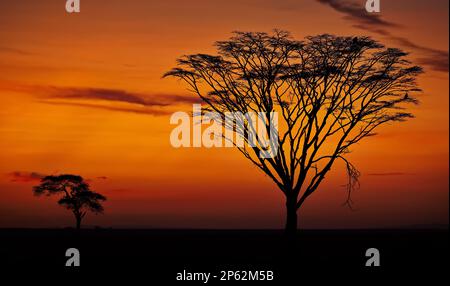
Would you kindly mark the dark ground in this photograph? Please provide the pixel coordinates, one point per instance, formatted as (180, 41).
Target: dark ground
(160, 254)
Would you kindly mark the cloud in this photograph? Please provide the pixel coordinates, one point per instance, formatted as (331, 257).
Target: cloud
(388, 174)
(355, 12)
(146, 111)
(155, 99)
(102, 98)
(25, 177)
(436, 59)
(4, 49)
(91, 180)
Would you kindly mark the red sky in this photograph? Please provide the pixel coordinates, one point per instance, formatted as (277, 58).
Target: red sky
(121, 143)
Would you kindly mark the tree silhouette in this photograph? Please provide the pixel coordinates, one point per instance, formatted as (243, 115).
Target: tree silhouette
(76, 195)
(330, 92)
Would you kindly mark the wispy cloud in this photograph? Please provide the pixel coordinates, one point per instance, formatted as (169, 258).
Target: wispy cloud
(389, 174)
(102, 98)
(32, 177)
(355, 12)
(12, 50)
(436, 59)
(144, 110)
(25, 177)
(155, 99)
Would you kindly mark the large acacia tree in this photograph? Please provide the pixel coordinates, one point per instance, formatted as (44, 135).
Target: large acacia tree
(330, 93)
(75, 193)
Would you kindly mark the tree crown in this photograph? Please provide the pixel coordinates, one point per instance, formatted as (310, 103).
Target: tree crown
(330, 91)
(77, 195)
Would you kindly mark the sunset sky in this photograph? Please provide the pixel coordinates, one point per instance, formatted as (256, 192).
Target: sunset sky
(83, 94)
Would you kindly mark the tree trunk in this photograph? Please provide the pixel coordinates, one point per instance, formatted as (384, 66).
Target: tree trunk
(291, 217)
(78, 219)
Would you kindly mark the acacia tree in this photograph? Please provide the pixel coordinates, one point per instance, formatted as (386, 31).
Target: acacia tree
(329, 91)
(76, 195)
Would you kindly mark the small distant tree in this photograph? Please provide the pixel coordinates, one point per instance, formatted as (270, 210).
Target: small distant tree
(76, 194)
(331, 92)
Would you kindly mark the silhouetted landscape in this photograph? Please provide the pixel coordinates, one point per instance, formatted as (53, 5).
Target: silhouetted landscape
(160, 254)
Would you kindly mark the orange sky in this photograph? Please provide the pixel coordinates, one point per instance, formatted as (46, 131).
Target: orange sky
(48, 57)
